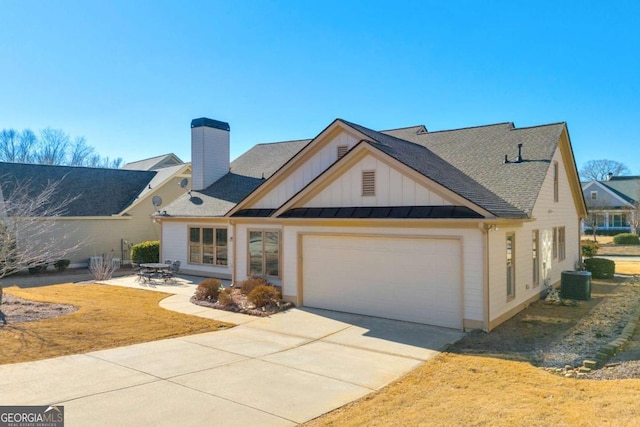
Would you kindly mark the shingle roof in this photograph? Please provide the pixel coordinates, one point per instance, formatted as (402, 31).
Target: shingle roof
(97, 191)
(432, 212)
(628, 187)
(469, 162)
(425, 161)
(247, 172)
(154, 163)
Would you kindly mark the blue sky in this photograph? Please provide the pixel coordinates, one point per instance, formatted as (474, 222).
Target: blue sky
(130, 75)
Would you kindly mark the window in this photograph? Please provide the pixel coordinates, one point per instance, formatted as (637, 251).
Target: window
(594, 195)
(600, 220)
(511, 267)
(264, 253)
(619, 220)
(556, 196)
(554, 243)
(368, 183)
(535, 240)
(208, 246)
(342, 150)
(561, 244)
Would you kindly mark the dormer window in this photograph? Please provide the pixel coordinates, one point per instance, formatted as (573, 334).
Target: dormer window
(342, 151)
(368, 183)
(594, 195)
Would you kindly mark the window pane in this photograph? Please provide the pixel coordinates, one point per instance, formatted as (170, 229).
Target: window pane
(255, 253)
(510, 269)
(207, 236)
(221, 236)
(207, 254)
(194, 235)
(221, 255)
(194, 253)
(272, 253)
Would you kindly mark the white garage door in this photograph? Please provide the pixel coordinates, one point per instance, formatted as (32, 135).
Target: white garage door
(412, 279)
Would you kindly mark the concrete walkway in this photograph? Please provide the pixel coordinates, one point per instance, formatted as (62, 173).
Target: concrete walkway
(276, 371)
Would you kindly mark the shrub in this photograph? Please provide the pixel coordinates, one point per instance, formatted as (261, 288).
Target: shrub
(37, 269)
(626, 239)
(148, 251)
(208, 289)
(225, 299)
(600, 268)
(263, 295)
(589, 248)
(62, 264)
(246, 286)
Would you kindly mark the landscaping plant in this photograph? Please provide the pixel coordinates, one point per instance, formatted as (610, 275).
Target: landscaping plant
(263, 295)
(626, 239)
(600, 268)
(208, 290)
(148, 251)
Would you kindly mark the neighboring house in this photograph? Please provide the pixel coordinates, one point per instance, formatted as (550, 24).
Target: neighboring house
(613, 204)
(111, 208)
(427, 227)
(154, 163)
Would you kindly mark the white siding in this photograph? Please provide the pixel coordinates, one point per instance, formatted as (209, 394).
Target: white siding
(392, 189)
(306, 172)
(174, 247)
(472, 257)
(547, 214)
(209, 156)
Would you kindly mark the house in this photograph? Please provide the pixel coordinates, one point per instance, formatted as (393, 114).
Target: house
(613, 205)
(459, 228)
(110, 209)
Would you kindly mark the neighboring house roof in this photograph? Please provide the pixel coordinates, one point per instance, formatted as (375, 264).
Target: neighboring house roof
(627, 187)
(96, 191)
(154, 163)
(469, 162)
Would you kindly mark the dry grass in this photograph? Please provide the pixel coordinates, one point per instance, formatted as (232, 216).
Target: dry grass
(108, 316)
(627, 267)
(479, 391)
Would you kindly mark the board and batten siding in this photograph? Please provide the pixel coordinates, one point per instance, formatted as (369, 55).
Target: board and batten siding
(472, 257)
(306, 172)
(547, 214)
(174, 246)
(392, 188)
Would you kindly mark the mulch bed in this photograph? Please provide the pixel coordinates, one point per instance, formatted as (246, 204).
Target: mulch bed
(241, 305)
(17, 310)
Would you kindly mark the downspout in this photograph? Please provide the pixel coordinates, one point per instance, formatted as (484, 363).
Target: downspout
(487, 304)
(235, 241)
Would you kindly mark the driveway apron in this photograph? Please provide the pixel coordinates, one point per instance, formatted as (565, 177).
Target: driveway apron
(277, 371)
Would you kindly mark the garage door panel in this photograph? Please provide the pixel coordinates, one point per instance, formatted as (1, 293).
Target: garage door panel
(413, 279)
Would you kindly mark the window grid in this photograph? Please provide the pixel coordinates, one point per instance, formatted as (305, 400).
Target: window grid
(561, 244)
(208, 245)
(511, 265)
(535, 238)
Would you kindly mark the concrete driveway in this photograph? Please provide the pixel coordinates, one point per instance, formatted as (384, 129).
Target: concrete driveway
(277, 371)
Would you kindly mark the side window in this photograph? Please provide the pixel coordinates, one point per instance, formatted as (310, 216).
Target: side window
(511, 265)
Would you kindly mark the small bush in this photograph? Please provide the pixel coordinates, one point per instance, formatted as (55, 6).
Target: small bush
(589, 248)
(600, 268)
(263, 295)
(62, 264)
(626, 239)
(208, 290)
(148, 251)
(39, 268)
(225, 299)
(246, 286)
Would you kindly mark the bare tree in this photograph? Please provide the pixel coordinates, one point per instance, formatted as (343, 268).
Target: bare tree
(80, 152)
(598, 170)
(53, 147)
(29, 234)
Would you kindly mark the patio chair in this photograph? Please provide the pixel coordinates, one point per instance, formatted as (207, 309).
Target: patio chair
(175, 267)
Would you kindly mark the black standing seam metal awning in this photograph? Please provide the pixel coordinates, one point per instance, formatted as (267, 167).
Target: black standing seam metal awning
(434, 212)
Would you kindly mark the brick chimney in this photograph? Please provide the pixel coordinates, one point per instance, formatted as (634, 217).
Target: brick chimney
(209, 152)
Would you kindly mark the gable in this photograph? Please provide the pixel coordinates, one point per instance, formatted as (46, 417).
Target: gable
(605, 197)
(392, 188)
(309, 164)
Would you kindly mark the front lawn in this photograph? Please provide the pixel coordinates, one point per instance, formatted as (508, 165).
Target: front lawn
(107, 317)
(467, 390)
